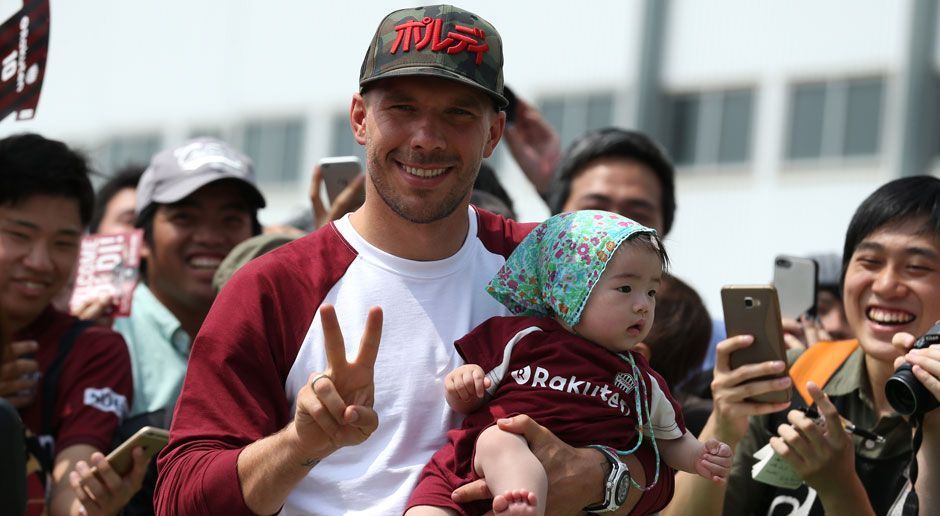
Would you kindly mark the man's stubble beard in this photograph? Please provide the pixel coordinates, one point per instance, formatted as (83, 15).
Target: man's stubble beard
(424, 214)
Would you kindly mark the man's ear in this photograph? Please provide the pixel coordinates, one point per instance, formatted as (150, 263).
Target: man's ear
(357, 118)
(644, 350)
(494, 133)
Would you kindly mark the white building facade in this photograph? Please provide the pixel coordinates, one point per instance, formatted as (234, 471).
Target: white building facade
(781, 115)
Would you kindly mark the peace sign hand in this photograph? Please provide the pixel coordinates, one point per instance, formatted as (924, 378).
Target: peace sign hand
(334, 408)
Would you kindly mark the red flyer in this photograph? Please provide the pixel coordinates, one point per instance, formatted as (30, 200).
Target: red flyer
(24, 45)
(108, 265)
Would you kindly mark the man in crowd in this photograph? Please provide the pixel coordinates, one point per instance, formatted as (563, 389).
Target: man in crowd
(272, 415)
(71, 382)
(115, 202)
(628, 173)
(195, 202)
(620, 171)
(890, 276)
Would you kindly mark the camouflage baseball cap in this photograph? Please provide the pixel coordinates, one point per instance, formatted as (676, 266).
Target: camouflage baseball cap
(439, 41)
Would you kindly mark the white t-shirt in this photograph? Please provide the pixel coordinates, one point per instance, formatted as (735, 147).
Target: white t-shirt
(427, 306)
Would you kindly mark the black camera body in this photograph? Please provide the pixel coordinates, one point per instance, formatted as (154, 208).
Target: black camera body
(904, 391)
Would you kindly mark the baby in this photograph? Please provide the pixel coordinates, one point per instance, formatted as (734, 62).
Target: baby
(583, 285)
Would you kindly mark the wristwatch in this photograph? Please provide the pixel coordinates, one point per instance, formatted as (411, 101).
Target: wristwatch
(617, 484)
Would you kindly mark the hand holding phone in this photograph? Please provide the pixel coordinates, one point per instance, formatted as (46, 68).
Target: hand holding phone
(110, 484)
(338, 173)
(149, 438)
(754, 310)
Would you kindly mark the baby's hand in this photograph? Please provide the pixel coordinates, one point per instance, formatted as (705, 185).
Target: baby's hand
(467, 383)
(714, 461)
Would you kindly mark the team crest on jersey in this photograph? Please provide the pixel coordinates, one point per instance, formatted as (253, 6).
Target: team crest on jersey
(521, 376)
(625, 381)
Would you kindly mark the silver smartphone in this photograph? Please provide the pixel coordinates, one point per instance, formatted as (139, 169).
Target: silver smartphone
(338, 172)
(796, 280)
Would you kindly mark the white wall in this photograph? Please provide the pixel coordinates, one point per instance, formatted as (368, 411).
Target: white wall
(732, 222)
(173, 65)
(721, 40)
(728, 229)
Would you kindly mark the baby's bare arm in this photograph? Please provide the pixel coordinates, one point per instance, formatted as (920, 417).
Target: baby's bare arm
(682, 453)
(711, 460)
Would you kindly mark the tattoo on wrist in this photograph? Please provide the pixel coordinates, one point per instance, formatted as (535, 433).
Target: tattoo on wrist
(309, 463)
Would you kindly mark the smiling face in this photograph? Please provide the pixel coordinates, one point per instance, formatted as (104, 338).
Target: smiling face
(39, 243)
(892, 284)
(619, 311)
(190, 239)
(425, 139)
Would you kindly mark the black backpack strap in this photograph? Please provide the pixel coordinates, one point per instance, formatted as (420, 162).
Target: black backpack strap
(50, 379)
(912, 503)
(12, 449)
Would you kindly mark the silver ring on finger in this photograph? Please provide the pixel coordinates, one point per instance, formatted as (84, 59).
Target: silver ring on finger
(317, 378)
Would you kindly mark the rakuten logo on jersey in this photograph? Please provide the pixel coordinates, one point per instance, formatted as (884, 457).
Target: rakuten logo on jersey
(106, 400)
(542, 378)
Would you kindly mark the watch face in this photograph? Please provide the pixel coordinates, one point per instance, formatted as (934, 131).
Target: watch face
(622, 488)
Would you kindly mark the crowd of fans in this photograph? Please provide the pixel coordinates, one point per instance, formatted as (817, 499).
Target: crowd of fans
(271, 409)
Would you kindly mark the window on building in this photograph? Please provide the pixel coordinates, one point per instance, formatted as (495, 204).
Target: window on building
(863, 117)
(683, 133)
(734, 144)
(835, 119)
(121, 151)
(572, 115)
(276, 147)
(708, 128)
(806, 123)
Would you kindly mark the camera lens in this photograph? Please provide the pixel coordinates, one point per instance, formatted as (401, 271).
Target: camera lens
(904, 391)
(748, 302)
(900, 394)
(907, 395)
(783, 262)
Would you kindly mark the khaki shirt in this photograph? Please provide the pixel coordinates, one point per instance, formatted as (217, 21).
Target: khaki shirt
(881, 466)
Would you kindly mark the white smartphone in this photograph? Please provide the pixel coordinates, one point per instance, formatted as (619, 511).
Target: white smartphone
(338, 172)
(796, 280)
